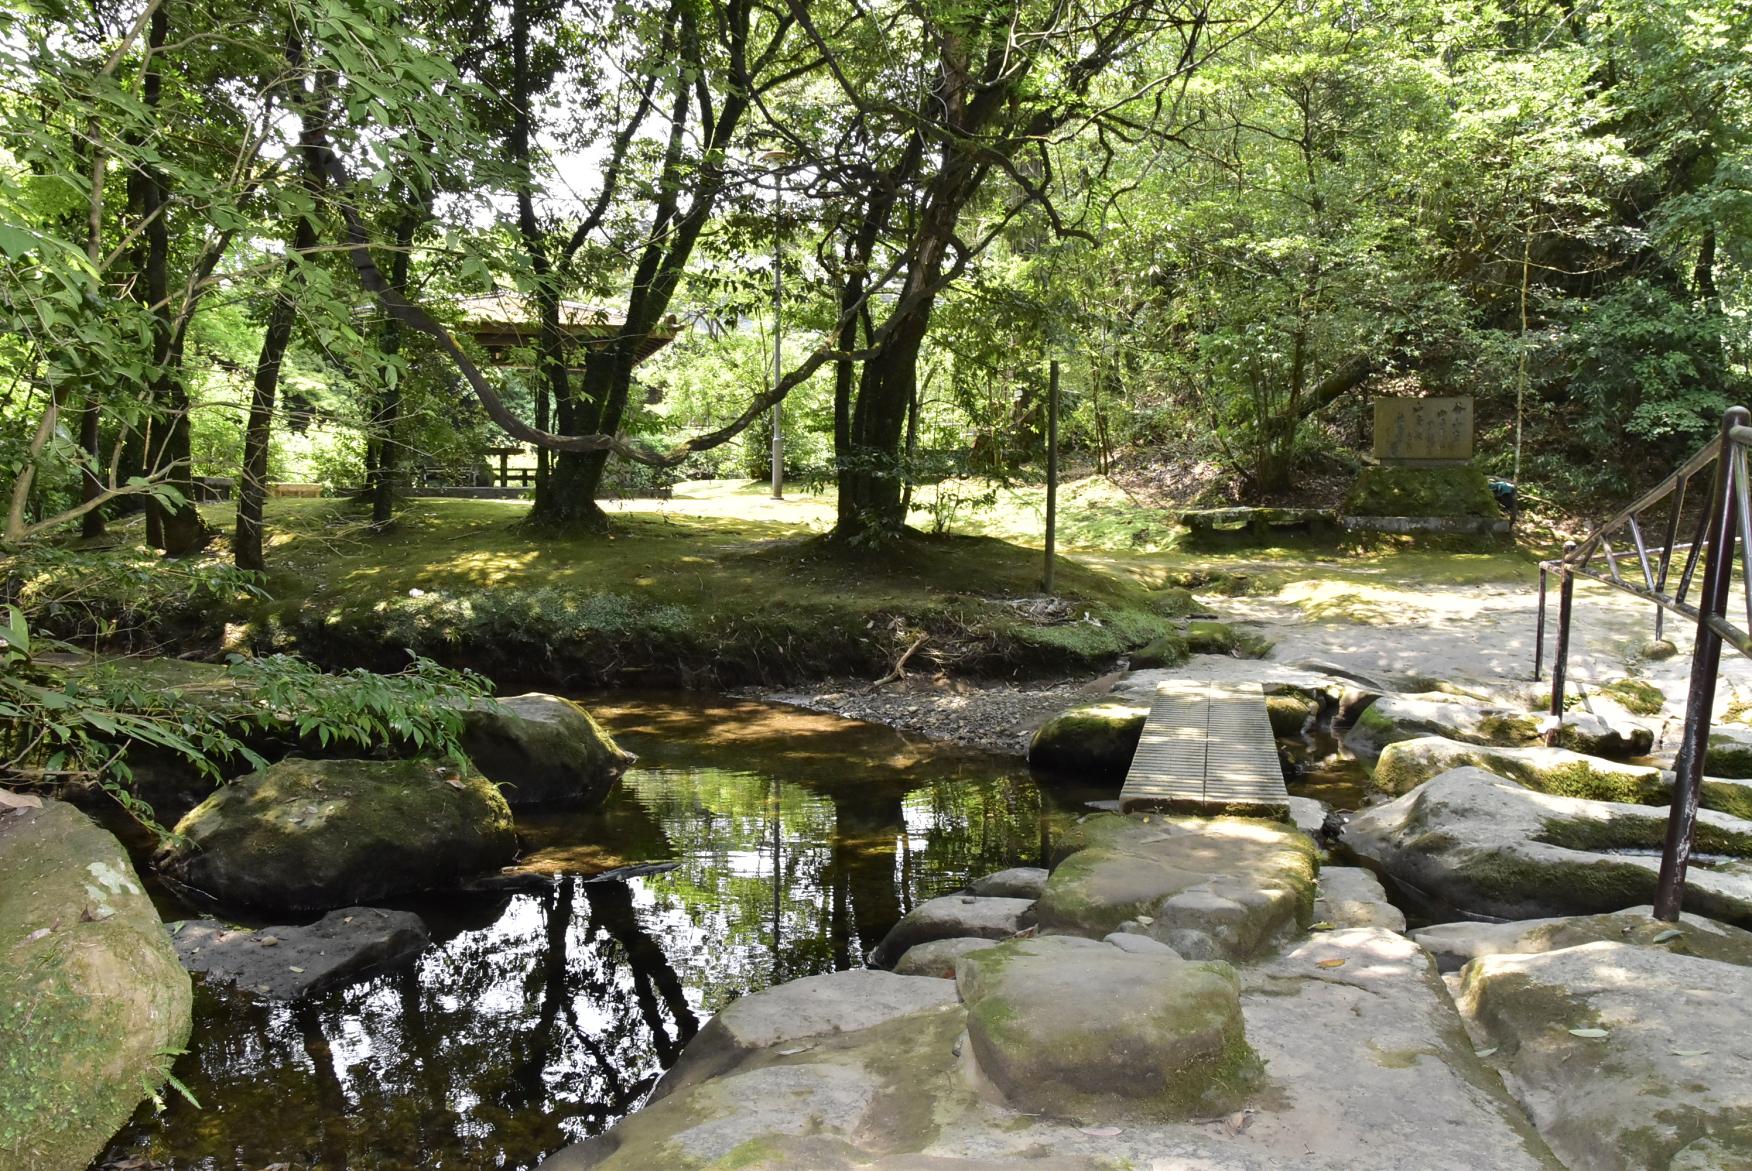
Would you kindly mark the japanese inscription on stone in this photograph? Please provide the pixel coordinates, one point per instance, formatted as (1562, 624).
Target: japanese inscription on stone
(1423, 430)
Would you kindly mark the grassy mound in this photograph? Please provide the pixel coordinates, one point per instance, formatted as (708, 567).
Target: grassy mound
(681, 599)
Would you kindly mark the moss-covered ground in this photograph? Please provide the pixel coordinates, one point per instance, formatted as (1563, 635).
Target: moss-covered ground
(722, 586)
(708, 595)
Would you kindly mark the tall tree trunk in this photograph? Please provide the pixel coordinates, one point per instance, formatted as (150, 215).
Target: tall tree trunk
(175, 528)
(380, 479)
(91, 525)
(253, 488)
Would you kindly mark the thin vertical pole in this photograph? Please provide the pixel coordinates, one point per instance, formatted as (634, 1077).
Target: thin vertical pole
(1566, 589)
(1539, 626)
(778, 352)
(1706, 659)
(1052, 420)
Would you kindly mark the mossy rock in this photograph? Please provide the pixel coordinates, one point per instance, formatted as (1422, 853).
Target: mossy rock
(1095, 741)
(1290, 713)
(1204, 637)
(1639, 697)
(317, 834)
(542, 749)
(93, 1001)
(1439, 491)
(1176, 602)
(1074, 1028)
(1167, 651)
(1406, 764)
(1729, 754)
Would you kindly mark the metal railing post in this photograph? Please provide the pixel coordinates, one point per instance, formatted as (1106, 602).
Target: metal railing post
(1560, 654)
(1706, 657)
(1539, 626)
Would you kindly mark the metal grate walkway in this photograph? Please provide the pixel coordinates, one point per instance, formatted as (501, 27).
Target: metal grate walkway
(1207, 748)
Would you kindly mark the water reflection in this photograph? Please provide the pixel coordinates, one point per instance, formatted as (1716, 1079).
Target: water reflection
(536, 1020)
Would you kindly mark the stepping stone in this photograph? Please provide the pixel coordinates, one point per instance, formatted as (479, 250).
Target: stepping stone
(291, 963)
(1075, 1028)
(1353, 897)
(951, 917)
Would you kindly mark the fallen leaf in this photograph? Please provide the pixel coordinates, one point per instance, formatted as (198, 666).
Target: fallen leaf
(792, 1052)
(290, 968)
(11, 800)
(268, 940)
(1237, 1122)
(1664, 936)
(1484, 1052)
(453, 781)
(1323, 925)
(1101, 1131)
(36, 935)
(1590, 1034)
(1689, 1052)
(1329, 963)
(1146, 920)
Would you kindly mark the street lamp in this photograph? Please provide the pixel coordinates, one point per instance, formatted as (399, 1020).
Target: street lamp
(776, 157)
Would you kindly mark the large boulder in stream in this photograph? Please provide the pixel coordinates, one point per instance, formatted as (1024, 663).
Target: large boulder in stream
(1094, 741)
(93, 1002)
(1394, 718)
(1477, 844)
(1626, 1057)
(1409, 763)
(542, 749)
(305, 835)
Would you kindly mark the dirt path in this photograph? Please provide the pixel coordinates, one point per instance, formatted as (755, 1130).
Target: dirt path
(1399, 635)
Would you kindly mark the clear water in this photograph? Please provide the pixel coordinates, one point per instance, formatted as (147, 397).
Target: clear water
(535, 1020)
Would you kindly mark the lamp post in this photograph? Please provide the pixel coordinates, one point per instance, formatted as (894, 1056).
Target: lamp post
(776, 157)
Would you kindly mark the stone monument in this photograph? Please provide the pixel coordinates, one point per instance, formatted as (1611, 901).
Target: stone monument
(1423, 432)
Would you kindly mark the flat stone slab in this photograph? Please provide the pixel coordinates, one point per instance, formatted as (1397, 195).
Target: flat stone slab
(1018, 882)
(1216, 889)
(951, 917)
(1625, 1057)
(937, 958)
(1353, 897)
(1479, 845)
(1395, 718)
(1076, 1028)
(290, 963)
(1456, 944)
(1406, 764)
(813, 1007)
(1368, 1069)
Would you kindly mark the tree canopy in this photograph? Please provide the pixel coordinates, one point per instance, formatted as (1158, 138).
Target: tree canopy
(236, 240)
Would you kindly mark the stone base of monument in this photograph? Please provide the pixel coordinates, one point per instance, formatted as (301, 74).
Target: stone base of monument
(1476, 526)
(1256, 526)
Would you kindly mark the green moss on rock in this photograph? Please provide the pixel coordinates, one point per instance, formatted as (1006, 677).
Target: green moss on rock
(1439, 491)
(1289, 714)
(1205, 637)
(93, 1001)
(1167, 651)
(1638, 696)
(1095, 741)
(318, 834)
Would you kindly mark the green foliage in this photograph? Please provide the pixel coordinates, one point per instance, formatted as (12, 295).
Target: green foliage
(58, 733)
(420, 707)
(123, 599)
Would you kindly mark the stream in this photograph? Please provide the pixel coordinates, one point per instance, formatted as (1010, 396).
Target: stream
(536, 1020)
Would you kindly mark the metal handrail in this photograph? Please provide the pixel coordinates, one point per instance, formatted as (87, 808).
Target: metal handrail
(1727, 520)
